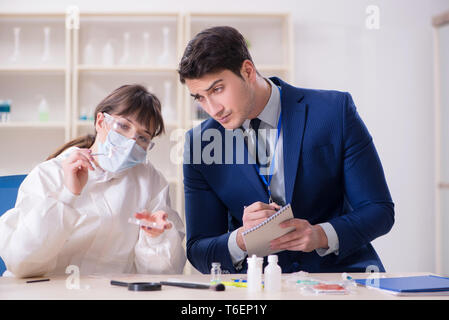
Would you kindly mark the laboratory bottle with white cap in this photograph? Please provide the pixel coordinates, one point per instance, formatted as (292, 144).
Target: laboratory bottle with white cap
(254, 274)
(272, 272)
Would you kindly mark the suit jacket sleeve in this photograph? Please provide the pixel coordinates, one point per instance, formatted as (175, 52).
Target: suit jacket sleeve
(366, 190)
(206, 219)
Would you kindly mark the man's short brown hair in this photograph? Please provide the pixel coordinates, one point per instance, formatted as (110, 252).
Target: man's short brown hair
(213, 50)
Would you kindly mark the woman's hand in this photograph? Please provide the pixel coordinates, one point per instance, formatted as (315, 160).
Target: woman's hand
(75, 169)
(159, 218)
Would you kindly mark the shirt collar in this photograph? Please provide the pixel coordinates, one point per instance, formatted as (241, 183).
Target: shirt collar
(271, 111)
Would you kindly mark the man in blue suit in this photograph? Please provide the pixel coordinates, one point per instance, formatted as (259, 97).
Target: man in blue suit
(320, 158)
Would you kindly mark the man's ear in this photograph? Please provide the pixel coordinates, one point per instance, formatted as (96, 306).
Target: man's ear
(248, 71)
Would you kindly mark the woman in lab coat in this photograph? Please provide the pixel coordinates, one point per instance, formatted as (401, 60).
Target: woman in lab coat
(73, 209)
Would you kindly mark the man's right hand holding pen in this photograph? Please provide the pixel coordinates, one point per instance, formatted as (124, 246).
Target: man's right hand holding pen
(252, 216)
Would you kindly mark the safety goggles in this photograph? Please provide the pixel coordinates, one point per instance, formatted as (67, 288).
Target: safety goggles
(127, 129)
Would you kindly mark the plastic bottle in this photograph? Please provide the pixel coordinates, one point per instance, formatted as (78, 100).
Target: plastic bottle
(43, 110)
(254, 274)
(15, 57)
(83, 114)
(145, 60)
(167, 107)
(125, 56)
(108, 54)
(5, 110)
(215, 273)
(272, 273)
(163, 58)
(46, 55)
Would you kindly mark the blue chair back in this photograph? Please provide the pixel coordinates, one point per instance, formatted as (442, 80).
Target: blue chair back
(9, 186)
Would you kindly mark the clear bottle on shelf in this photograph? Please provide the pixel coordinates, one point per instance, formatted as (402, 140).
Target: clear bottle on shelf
(125, 56)
(145, 60)
(168, 112)
(89, 54)
(5, 111)
(43, 110)
(108, 54)
(83, 114)
(15, 57)
(164, 57)
(46, 54)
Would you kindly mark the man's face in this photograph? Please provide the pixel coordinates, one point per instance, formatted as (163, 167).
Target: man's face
(224, 96)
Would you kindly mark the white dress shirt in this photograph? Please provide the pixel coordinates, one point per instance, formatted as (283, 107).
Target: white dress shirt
(269, 120)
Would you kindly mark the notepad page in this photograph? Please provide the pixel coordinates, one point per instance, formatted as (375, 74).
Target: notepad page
(257, 239)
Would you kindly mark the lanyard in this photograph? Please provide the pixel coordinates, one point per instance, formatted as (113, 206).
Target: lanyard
(270, 176)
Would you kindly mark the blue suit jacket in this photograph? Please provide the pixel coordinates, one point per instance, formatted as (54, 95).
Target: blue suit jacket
(332, 174)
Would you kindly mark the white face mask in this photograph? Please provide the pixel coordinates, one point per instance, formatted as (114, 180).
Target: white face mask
(123, 153)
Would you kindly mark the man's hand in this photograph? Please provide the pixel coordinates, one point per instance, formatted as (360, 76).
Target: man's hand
(305, 237)
(252, 216)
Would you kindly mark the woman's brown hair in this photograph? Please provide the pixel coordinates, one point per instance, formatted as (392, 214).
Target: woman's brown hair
(126, 100)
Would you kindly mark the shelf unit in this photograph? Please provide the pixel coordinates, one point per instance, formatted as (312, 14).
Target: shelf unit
(87, 80)
(27, 72)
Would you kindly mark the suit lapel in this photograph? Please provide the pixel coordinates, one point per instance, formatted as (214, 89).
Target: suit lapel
(294, 113)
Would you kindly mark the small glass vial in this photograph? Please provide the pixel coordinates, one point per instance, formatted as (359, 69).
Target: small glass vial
(5, 110)
(215, 273)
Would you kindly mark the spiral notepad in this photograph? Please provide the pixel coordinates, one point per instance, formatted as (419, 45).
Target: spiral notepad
(257, 239)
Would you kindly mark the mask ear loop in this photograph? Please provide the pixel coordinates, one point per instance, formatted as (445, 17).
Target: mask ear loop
(147, 157)
(111, 150)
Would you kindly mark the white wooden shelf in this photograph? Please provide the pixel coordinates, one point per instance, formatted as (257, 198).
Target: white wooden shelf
(131, 68)
(33, 124)
(24, 68)
(90, 123)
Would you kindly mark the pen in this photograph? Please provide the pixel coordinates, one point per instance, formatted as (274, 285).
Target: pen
(39, 280)
(189, 285)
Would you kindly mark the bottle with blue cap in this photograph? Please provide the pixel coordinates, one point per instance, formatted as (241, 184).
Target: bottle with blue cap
(5, 110)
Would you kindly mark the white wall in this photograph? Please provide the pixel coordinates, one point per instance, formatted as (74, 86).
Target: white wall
(389, 72)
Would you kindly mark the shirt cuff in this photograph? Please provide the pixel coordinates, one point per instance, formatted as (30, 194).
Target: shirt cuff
(332, 240)
(66, 196)
(237, 254)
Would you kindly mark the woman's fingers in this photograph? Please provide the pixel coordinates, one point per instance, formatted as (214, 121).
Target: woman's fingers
(158, 222)
(81, 164)
(84, 155)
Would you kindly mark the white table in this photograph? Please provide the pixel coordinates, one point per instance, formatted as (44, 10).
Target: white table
(98, 287)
